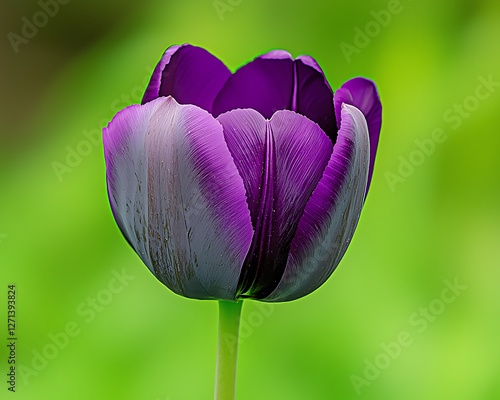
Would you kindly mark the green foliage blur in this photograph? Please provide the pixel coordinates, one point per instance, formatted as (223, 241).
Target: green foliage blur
(93, 323)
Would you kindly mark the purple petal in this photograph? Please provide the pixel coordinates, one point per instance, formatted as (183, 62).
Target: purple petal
(177, 196)
(275, 82)
(362, 93)
(190, 74)
(153, 90)
(281, 161)
(315, 97)
(245, 135)
(331, 214)
(265, 85)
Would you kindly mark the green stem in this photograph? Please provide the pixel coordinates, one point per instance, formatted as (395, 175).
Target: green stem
(227, 349)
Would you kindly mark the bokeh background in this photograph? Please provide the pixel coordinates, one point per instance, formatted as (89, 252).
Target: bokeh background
(430, 218)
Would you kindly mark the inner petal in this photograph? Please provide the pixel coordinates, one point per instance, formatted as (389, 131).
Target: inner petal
(265, 85)
(275, 82)
(281, 161)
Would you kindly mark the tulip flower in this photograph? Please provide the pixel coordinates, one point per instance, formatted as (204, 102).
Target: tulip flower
(244, 185)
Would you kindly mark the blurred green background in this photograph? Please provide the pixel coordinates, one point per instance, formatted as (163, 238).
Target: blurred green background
(430, 217)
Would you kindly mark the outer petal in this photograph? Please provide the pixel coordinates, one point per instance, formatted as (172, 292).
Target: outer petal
(331, 214)
(274, 81)
(362, 93)
(177, 196)
(190, 74)
(281, 162)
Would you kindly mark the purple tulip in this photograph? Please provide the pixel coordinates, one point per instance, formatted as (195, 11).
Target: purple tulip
(244, 185)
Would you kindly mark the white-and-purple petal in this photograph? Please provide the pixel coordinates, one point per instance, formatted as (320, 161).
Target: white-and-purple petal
(281, 161)
(331, 214)
(178, 197)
